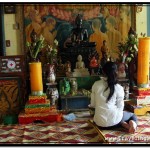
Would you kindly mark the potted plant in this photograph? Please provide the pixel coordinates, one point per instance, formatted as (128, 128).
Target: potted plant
(51, 56)
(128, 49)
(128, 55)
(35, 68)
(34, 47)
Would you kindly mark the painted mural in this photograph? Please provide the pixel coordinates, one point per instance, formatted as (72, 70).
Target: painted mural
(103, 22)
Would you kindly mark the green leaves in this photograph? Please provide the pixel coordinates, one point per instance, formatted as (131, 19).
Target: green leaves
(52, 52)
(35, 48)
(28, 44)
(128, 48)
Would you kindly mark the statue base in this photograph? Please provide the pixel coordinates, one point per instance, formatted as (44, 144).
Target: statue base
(81, 72)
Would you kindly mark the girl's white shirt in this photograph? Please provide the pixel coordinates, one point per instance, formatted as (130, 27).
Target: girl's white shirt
(107, 113)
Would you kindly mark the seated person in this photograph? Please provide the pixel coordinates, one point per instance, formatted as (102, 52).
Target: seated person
(107, 98)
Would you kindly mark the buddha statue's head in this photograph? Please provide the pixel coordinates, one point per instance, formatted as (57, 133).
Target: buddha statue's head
(79, 58)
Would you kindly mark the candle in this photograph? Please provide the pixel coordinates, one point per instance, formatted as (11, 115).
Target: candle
(36, 77)
(143, 62)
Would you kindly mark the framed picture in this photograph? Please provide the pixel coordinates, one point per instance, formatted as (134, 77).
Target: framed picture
(110, 22)
(12, 65)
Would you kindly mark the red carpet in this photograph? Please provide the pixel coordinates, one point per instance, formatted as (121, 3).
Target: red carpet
(76, 132)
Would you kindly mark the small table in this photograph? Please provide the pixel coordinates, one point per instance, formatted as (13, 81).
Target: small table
(74, 103)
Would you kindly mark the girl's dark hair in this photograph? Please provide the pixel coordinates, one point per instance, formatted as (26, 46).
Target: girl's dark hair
(110, 70)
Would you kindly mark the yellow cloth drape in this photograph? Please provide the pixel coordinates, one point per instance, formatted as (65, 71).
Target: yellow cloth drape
(36, 82)
(143, 62)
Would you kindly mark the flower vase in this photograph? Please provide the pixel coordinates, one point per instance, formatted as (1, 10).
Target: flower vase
(51, 74)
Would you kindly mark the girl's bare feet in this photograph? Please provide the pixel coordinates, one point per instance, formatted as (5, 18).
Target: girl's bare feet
(133, 126)
(125, 125)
